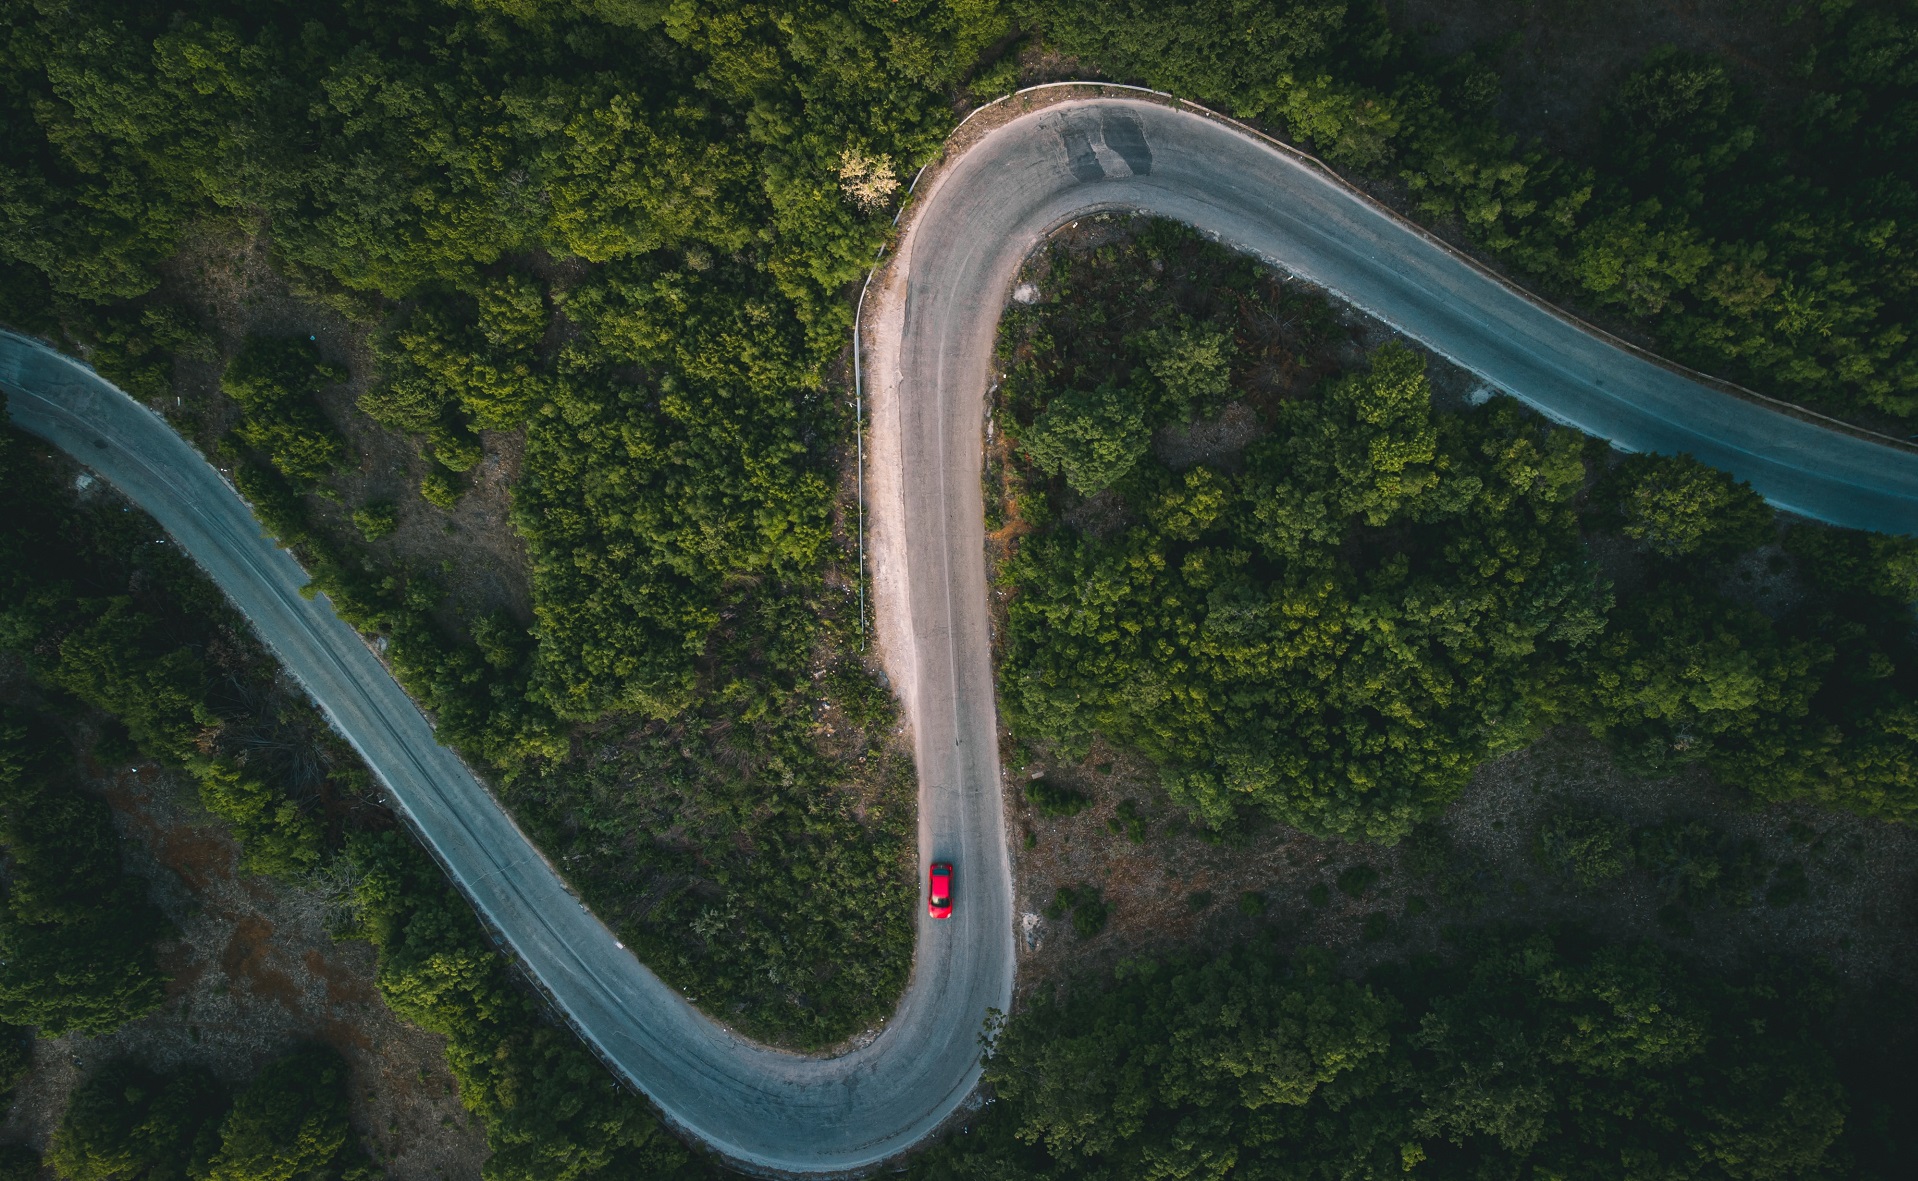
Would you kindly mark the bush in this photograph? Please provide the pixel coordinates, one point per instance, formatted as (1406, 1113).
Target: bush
(1694, 863)
(1355, 880)
(1053, 800)
(1586, 848)
(1252, 904)
(1083, 903)
(1128, 821)
(1680, 508)
(440, 488)
(274, 382)
(376, 520)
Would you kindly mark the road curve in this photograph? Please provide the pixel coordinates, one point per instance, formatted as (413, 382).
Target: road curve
(931, 330)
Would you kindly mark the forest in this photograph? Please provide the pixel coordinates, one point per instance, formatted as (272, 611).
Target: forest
(1317, 590)
(183, 683)
(625, 234)
(1542, 1054)
(1338, 620)
(1767, 242)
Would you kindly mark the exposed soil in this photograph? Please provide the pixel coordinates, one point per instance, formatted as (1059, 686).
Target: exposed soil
(254, 973)
(230, 282)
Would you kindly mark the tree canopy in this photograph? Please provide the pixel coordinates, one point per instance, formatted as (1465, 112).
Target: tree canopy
(76, 931)
(1336, 621)
(1543, 1054)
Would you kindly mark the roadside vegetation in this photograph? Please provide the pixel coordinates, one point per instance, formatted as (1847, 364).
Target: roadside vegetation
(1764, 241)
(115, 627)
(1325, 598)
(1249, 550)
(1543, 1054)
(130, 1123)
(599, 251)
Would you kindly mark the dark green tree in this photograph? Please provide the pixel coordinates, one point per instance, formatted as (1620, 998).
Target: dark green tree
(76, 932)
(129, 1123)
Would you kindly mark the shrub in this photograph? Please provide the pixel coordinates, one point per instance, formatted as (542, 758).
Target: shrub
(439, 488)
(1052, 800)
(1128, 821)
(1356, 880)
(1089, 916)
(1695, 864)
(376, 520)
(1789, 886)
(1588, 849)
(1252, 904)
(274, 382)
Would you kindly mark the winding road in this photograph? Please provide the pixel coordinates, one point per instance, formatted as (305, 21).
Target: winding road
(928, 336)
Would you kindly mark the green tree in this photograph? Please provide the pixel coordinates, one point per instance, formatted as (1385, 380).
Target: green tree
(76, 932)
(1681, 668)
(289, 1124)
(129, 1123)
(275, 381)
(1092, 438)
(1681, 508)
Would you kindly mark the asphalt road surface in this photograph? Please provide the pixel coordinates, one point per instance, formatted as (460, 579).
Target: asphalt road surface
(973, 223)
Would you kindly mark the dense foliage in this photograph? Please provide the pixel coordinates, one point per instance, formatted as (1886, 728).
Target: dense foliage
(1540, 1055)
(622, 230)
(76, 932)
(1337, 629)
(1335, 617)
(1771, 244)
(273, 382)
(130, 1123)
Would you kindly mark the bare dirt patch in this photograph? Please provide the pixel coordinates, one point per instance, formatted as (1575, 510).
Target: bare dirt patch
(254, 973)
(230, 282)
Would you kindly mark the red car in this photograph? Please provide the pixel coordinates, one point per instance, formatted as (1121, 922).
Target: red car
(939, 890)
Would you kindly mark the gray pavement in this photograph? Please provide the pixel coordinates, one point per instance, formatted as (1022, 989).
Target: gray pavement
(975, 221)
